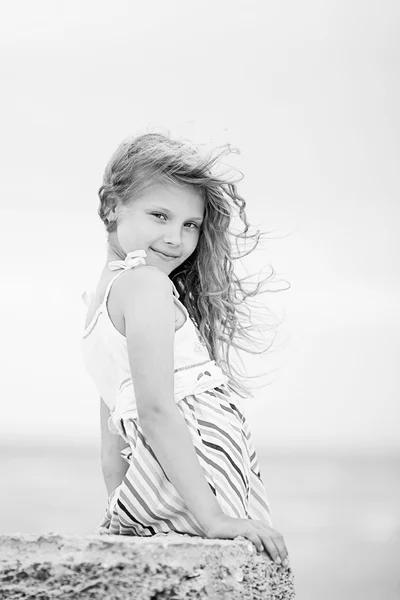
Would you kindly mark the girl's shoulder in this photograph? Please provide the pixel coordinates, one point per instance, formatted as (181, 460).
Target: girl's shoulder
(113, 287)
(144, 279)
(135, 291)
(141, 286)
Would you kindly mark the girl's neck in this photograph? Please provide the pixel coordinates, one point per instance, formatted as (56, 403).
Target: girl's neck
(114, 250)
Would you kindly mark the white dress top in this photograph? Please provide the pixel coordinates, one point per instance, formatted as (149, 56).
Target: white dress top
(106, 359)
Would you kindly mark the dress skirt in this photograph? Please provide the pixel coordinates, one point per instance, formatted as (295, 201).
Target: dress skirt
(146, 503)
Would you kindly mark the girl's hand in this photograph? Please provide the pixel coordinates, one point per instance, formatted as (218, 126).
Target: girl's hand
(262, 536)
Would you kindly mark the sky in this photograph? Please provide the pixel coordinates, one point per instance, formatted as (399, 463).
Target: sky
(308, 92)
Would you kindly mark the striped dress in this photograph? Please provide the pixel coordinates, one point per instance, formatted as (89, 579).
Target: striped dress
(146, 503)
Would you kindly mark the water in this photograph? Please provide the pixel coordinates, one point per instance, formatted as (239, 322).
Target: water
(339, 514)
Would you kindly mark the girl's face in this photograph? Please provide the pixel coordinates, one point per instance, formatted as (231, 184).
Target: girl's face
(165, 221)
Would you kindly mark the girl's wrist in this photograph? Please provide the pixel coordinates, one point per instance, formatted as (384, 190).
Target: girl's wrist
(211, 521)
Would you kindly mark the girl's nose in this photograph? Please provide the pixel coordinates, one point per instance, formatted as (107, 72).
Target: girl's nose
(173, 236)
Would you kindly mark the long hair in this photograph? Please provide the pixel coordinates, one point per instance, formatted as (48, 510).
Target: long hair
(215, 297)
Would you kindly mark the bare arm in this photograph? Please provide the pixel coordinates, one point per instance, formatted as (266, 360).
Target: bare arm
(146, 298)
(113, 466)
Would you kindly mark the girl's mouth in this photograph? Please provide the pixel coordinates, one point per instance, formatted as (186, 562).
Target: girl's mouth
(164, 256)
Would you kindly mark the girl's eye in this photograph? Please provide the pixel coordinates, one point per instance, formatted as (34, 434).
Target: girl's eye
(162, 215)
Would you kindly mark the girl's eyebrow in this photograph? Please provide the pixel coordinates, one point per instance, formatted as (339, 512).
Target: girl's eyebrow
(169, 212)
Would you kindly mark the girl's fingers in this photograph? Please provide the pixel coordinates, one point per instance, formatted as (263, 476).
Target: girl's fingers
(270, 547)
(278, 541)
(280, 546)
(270, 540)
(255, 538)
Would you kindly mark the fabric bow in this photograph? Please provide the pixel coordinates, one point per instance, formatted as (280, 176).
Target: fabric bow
(132, 259)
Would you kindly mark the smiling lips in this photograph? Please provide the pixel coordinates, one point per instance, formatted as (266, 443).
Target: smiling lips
(164, 254)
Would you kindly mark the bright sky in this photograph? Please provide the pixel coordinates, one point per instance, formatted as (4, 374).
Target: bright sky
(309, 92)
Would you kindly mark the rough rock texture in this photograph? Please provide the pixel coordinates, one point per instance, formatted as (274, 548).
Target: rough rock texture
(173, 566)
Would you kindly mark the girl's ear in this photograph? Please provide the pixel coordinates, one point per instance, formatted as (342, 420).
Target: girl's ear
(113, 214)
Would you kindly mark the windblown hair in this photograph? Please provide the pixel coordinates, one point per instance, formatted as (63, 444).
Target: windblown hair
(213, 294)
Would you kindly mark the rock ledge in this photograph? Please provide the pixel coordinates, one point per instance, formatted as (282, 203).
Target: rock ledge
(171, 566)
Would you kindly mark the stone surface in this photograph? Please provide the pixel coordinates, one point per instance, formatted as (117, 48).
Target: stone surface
(173, 566)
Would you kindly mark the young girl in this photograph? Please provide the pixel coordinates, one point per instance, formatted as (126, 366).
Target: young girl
(156, 344)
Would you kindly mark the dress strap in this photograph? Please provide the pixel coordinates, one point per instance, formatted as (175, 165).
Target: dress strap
(132, 259)
(108, 288)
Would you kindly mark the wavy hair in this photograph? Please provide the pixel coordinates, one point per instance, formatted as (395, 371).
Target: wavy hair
(215, 297)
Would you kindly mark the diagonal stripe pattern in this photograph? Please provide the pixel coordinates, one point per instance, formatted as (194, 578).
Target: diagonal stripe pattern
(146, 503)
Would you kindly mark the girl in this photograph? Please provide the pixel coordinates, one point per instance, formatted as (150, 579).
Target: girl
(156, 343)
